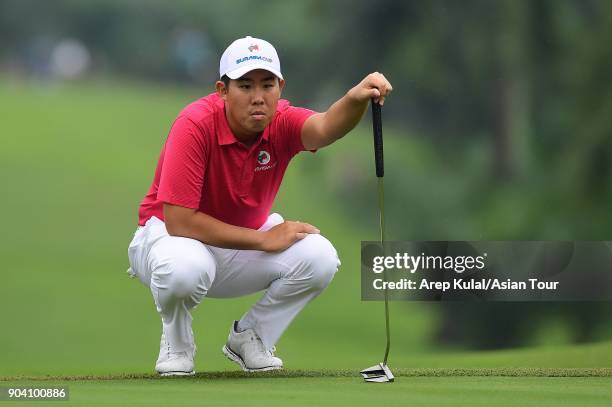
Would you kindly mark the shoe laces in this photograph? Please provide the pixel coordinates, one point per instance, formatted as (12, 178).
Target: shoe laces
(170, 353)
(260, 346)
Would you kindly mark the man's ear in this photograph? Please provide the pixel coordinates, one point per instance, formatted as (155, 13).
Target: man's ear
(221, 89)
(281, 84)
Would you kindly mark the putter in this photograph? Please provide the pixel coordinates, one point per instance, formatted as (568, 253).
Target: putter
(380, 373)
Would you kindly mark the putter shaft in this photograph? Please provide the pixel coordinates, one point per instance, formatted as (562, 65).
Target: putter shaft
(380, 173)
(380, 373)
(381, 211)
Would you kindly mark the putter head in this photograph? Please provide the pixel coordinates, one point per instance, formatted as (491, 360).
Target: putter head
(379, 373)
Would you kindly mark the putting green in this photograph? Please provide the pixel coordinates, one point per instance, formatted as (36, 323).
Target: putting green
(448, 387)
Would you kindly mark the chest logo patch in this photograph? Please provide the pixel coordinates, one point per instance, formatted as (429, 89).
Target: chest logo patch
(263, 157)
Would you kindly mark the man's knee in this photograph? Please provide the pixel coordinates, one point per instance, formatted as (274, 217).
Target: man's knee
(184, 267)
(319, 260)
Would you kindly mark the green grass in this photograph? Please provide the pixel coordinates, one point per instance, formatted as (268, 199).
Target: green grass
(75, 162)
(340, 391)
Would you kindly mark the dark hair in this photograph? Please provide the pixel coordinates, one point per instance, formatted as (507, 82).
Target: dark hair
(226, 80)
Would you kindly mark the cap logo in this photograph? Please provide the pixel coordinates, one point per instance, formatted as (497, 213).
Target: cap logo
(244, 59)
(253, 47)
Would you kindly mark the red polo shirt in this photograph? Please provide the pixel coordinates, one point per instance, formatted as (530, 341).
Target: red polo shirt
(203, 166)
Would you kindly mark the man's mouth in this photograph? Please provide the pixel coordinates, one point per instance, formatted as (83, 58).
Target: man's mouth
(258, 115)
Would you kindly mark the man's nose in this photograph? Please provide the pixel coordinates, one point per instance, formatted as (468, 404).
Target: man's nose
(258, 97)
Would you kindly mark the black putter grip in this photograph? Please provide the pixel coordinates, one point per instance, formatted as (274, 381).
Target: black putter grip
(378, 139)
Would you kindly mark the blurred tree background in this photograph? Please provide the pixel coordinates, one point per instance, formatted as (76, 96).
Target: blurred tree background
(504, 108)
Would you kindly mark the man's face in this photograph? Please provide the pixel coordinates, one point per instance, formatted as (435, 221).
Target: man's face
(250, 102)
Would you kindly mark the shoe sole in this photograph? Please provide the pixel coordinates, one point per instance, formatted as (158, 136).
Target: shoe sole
(177, 373)
(234, 357)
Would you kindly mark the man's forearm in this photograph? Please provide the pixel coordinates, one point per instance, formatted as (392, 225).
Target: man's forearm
(322, 129)
(198, 225)
(343, 116)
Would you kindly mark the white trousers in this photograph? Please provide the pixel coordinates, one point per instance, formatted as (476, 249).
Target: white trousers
(180, 272)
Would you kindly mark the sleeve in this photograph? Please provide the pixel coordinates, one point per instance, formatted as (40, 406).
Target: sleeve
(293, 121)
(184, 166)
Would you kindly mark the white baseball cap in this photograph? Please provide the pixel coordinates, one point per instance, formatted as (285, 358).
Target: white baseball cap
(247, 54)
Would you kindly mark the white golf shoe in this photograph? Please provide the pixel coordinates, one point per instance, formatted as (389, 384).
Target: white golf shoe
(171, 363)
(246, 349)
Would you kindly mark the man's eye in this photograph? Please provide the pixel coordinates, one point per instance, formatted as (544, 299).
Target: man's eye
(268, 85)
(244, 86)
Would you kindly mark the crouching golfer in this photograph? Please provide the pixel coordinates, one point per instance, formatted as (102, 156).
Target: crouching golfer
(205, 228)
